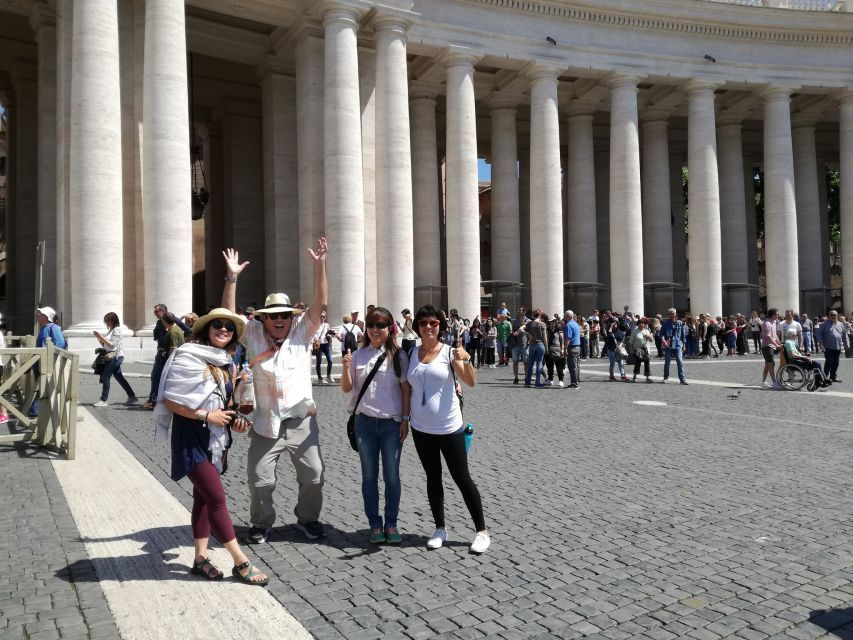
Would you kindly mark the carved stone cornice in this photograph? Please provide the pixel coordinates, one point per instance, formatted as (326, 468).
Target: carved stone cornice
(700, 26)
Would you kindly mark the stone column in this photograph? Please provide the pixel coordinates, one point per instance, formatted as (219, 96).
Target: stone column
(846, 195)
(524, 213)
(657, 209)
(166, 174)
(63, 157)
(626, 209)
(462, 212)
(95, 188)
(602, 222)
(581, 228)
(281, 215)
(394, 215)
(425, 189)
(506, 248)
(367, 99)
(310, 84)
(344, 192)
(733, 230)
(546, 202)
(751, 234)
(706, 284)
(824, 223)
(679, 239)
(214, 217)
(43, 21)
(780, 208)
(808, 213)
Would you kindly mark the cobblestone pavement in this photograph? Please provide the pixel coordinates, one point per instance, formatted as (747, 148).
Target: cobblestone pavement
(719, 513)
(48, 587)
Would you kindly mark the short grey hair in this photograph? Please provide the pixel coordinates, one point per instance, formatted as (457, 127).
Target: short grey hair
(672, 310)
(570, 313)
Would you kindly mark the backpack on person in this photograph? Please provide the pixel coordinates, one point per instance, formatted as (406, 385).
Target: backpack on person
(350, 341)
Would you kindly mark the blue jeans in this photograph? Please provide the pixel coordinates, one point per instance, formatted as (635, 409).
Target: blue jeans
(668, 354)
(808, 344)
(156, 372)
(375, 436)
(536, 354)
(614, 360)
(503, 351)
(113, 368)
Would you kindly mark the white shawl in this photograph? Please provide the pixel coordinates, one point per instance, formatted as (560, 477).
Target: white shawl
(184, 382)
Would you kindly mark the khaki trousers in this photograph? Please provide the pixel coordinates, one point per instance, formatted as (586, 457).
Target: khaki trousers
(300, 439)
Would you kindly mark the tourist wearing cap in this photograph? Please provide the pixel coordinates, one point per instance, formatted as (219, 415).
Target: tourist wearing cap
(195, 398)
(45, 316)
(284, 419)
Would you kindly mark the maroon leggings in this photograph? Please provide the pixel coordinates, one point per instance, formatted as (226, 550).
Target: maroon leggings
(209, 510)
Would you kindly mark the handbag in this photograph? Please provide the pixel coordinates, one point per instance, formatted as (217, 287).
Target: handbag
(353, 442)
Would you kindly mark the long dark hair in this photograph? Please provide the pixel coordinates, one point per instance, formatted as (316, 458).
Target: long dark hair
(383, 315)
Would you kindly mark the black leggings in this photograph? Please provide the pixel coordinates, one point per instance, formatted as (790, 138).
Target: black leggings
(325, 350)
(430, 448)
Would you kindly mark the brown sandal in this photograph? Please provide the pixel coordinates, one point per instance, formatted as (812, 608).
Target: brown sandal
(206, 569)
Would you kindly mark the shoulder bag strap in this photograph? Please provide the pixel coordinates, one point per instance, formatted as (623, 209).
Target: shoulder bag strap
(456, 387)
(368, 380)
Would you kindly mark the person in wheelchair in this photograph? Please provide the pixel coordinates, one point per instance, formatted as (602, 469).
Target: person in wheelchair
(794, 356)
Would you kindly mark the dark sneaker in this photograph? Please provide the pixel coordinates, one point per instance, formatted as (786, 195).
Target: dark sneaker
(257, 535)
(312, 530)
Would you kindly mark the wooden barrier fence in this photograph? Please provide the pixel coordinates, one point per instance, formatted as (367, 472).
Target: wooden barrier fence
(48, 374)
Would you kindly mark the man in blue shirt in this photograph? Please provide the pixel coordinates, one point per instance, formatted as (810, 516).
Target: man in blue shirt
(673, 334)
(45, 317)
(572, 335)
(834, 339)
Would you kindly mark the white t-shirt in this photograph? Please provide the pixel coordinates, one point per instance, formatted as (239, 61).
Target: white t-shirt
(321, 334)
(384, 398)
(434, 407)
(114, 336)
(783, 330)
(408, 331)
(282, 379)
(341, 331)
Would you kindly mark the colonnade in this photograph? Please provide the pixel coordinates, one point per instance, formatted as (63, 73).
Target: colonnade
(621, 227)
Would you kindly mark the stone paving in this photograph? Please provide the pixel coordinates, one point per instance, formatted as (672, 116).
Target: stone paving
(720, 513)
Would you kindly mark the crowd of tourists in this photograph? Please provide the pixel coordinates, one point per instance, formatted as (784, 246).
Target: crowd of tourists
(248, 371)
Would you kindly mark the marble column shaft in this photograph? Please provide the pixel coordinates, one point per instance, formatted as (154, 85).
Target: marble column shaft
(425, 191)
(808, 206)
(657, 218)
(367, 99)
(166, 173)
(310, 82)
(63, 157)
(506, 248)
(95, 180)
(394, 213)
(733, 230)
(281, 215)
(581, 229)
(846, 195)
(706, 284)
(546, 204)
(344, 192)
(679, 239)
(524, 215)
(43, 20)
(626, 209)
(781, 260)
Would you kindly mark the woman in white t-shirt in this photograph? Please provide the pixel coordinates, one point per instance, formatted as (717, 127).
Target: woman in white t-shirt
(381, 418)
(113, 343)
(437, 427)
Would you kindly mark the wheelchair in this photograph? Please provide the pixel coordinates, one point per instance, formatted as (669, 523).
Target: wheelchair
(792, 376)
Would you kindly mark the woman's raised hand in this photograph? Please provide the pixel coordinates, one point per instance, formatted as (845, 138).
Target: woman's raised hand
(459, 353)
(322, 249)
(232, 262)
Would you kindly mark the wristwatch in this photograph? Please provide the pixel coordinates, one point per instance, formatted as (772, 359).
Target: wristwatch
(405, 418)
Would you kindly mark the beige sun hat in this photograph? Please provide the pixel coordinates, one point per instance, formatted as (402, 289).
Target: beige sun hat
(222, 314)
(277, 303)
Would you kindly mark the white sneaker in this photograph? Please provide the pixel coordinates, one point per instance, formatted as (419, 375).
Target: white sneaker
(768, 385)
(550, 383)
(437, 539)
(481, 542)
(561, 384)
(100, 403)
(330, 379)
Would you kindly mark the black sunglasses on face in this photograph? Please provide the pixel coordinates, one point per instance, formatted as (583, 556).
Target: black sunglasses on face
(219, 324)
(377, 325)
(284, 315)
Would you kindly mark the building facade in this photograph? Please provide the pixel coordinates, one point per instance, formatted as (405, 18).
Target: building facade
(364, 122)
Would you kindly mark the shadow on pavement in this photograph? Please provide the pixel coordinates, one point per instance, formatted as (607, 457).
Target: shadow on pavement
(833, 619)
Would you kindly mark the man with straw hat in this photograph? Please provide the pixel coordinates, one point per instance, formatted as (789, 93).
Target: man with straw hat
(278, 342)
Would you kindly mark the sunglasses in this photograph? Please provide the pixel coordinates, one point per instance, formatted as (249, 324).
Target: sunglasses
(219, 324)
(429, 323)
(377, 325)
(284, 315)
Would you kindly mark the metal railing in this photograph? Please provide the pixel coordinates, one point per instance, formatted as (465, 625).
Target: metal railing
(49, 375)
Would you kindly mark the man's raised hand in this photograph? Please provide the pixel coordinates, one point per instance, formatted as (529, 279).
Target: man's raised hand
(232, 262)
(322, 250)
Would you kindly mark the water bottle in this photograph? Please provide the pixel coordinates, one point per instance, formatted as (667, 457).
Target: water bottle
(469, 436)
(245, 391)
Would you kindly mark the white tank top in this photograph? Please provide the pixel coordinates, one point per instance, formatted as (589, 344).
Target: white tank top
(434, 406)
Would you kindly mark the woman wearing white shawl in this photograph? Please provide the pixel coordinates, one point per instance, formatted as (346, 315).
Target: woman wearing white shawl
(195, 387)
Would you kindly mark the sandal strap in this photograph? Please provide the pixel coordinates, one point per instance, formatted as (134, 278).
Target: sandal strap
(240, 567)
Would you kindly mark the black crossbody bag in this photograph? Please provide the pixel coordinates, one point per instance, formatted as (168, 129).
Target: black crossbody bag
(351, 422)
